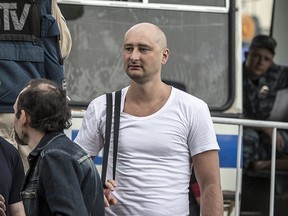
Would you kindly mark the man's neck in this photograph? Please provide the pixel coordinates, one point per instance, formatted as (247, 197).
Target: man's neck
(35, 138)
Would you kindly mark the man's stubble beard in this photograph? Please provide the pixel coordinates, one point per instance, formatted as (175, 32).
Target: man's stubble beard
(19, 140)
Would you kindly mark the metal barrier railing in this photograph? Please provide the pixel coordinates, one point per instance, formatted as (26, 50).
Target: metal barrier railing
(241, 123)
(253, 123)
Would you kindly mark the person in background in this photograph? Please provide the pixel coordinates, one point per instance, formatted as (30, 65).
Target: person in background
(262, 80)
(161, 129)
(35, 51)
(62, 178)
(11, 180)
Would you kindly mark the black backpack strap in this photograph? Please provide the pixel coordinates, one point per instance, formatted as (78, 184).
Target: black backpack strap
(107, 136)
(108, 133)
(116, 129)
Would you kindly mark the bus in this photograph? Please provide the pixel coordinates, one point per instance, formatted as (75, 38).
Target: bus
(206, 40)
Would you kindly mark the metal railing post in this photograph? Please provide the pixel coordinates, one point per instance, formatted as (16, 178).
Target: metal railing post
(273, 168)
(238, 174)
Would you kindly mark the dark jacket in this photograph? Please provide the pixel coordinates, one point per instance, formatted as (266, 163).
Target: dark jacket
(12, 173)
(257, 104)
(29, 50)
(62, 180)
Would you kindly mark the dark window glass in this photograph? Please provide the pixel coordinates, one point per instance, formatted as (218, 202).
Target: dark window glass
(198, 44)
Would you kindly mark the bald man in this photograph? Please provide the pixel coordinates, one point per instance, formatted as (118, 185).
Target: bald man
(161, 129)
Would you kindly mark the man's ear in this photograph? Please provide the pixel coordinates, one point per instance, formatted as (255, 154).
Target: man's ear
(165, 56)
(24, 117)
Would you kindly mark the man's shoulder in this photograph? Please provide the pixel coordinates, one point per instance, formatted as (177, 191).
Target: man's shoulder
(7, 146)
(277, 68)
(9, 152)
(99, 102)
(279, 73)
(188, 98)
(65, 148)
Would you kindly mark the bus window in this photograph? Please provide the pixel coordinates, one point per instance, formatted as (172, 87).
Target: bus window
(201, 41)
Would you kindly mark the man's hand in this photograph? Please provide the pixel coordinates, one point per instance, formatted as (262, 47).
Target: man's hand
(109, 199)
(2, 206)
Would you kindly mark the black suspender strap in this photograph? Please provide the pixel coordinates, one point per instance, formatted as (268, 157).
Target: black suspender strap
(108, 133)
(107, 136)
(116, 129)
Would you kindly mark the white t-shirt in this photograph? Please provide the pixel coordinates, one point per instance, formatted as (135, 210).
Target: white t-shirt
(154, 152)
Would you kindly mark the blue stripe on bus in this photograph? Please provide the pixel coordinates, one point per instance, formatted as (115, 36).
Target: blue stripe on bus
(228, 150)
(227, 153)
(74, 134)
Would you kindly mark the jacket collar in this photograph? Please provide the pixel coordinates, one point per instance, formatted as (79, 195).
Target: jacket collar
(44, 142)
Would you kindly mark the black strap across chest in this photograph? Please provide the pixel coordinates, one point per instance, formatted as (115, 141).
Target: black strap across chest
(108, 133)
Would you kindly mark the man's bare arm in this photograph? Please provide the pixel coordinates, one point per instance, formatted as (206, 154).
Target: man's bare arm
(207, 171)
